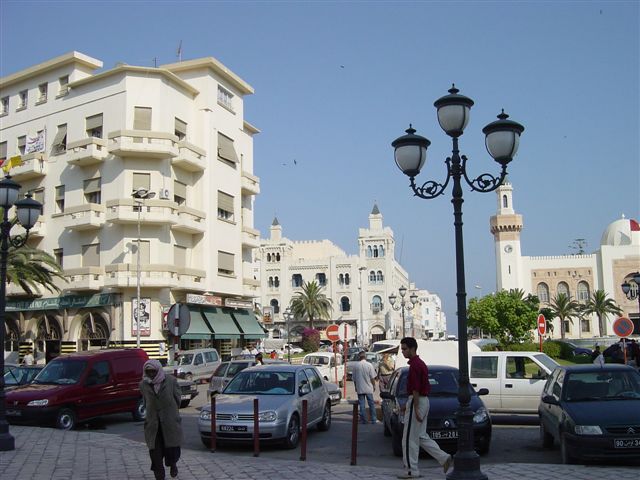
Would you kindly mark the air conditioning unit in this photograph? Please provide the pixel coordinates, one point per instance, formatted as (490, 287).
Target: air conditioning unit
(164, 193)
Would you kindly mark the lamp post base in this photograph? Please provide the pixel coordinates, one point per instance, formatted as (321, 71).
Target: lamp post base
(466, 462)
(7, 442)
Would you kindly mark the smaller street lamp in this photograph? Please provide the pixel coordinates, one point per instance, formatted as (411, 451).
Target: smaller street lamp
(404, 305)
(629, 291)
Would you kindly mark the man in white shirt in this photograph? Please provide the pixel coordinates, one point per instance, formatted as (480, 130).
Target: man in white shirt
(28, 358)
(364, 380)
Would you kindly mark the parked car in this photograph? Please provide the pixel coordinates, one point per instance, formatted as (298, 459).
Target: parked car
(593, 412)
(196, 364)
(335, 394)
(227, 370)
(371, 357)
(443, 403)
(328, 364)
(294, 349)
(188, 391)
(20, 375)
(79, 387)
(280, 390)
(576, 350)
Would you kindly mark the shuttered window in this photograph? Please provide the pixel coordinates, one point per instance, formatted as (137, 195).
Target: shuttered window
(225, 206)
(3, 151)
(179, 192)
(60, 199)
(38, 195)
(93, 126)
(142, 118)
(92, 189)
(225, 263)
(180, 129)
(141, 180)
(91, 255)
(226, 150)
(179, 256)
(60, 140)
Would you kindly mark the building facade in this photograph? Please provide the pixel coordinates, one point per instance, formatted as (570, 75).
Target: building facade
(578, 276)
(430, 315)
(82, 141)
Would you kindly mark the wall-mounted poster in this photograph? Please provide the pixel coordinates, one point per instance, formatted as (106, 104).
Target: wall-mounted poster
(145, 317)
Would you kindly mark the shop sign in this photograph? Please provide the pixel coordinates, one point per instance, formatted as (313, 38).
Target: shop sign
(233, 303)
(68, 301)
(211, 300)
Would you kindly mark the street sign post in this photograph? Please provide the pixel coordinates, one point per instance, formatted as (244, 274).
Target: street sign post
(623, 327)
(178, 322)
(344, 332)
(542, 328)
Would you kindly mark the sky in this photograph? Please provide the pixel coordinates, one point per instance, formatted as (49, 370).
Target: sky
(336, 82)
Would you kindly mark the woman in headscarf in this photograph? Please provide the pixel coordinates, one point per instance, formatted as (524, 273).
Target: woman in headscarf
(162, 425)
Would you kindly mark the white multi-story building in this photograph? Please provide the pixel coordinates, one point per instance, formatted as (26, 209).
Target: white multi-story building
(429, 313)
(615, 262)
(81, 141)
(358, 285)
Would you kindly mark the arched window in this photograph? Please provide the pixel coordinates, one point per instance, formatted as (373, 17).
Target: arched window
(563, 288)
(347, 279)
(381, 250)
(321, 278)
(296, 280)
(379, 277)
(270, 282)
(543, 292)
(369, 251)
(341, 279)
(276, 282)
(277, 257)
(268, 257)
(275, 305)
(376, 304)
(345, 305)
(375, 251)
(505, 202)
(583, 292)
(372, 277)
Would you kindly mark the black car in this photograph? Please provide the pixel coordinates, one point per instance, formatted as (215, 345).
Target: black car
(17, 376)
(592, 411)
(443, 403)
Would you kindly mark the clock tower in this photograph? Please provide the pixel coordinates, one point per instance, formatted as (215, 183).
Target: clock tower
(506, 226)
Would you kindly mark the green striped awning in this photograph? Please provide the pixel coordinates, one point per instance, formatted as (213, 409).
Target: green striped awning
(250, 327)
(221, 323)
(198, 328)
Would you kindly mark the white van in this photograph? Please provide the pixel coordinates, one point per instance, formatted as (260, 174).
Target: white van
(437, 353)
(198, 364)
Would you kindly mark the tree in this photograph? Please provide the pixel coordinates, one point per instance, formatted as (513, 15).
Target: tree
(564, 308)
(600, 304)
(311, 303)
(32, 269)
(505, 315)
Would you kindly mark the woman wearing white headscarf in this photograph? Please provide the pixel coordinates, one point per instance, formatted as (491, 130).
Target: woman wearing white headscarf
(162, 425)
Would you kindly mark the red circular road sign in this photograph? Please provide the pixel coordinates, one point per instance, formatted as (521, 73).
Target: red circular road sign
(332, 333)
(623, 327)
(542, 324)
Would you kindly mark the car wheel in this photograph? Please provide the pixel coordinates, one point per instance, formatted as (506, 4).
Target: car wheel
(185, 403)
(564, 450)
(396, 443)
(140, 412)
(545, 437)
(66, 419)
(293, 432)
(325, 423)
(387, 432)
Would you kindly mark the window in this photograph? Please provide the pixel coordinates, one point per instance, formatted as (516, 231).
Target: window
(92, 189)
(99, 374)
(484, 367)
(381, 250)
(23, 98)
(179, 192)
(180, 129)
(567, 326)
(585, 325)
(314, 378)
(372, 277)
(91, 255)
(522, 367)
(341, 279)
(22, 144)
(93, 126)
(42, 92)
(270, 282)
(64, 85)
(375, 251)
(226, 151)
(60, 199)
(345, 305)
(583, 293)
(225, 206)
(141, 180)
(543, 292)
(505, 202)
(225, 98)
(563, 288)
(275, 305)
(276, 282)
(179, 256)
(347, 280)
(4, 106)
(3, 153)
(379, 277)
(225, 263)
(277, 257)
(322, 279)
(60, 140)
(142, 118)
(296, 280)
(369, 251)
(268, 257)
(376, 304)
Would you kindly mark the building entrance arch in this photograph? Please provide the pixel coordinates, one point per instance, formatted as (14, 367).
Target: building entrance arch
(49, 337)
(11, 335)
(94, 332)
(378, 333)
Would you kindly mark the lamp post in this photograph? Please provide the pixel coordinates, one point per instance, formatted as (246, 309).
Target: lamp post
(139, 194)
(502, 139)
(27, 210)
(404, 305)
(361, 327)
(630, 292)
(287, 315)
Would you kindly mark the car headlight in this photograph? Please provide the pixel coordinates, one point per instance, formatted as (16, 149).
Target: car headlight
(269, 416)
(481, 415)
(205, 415)
(38, 403)
(588, 430)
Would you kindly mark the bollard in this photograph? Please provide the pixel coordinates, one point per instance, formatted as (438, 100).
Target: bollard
(256, 429)
(213, 423)
(303, 440)
(354, 434)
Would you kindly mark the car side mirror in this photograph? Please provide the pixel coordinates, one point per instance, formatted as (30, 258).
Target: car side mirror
(386, 395)
(304, 388)
(483, 391)
(549, 399)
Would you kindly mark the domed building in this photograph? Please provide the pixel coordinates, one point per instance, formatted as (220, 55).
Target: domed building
(578, 276)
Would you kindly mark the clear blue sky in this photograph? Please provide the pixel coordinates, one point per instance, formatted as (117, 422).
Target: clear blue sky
(568, 71)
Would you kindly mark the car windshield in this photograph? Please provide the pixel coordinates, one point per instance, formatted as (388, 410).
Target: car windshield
(546, 361)
(62, 372)
(19, 376)
(316, 360)
(262, 382)
(601, 385)
(236, 367)
(377, 347)
(185, 359)
(443, 382)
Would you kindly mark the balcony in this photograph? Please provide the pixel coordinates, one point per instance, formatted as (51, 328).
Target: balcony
(39, 230)
(84, 217)
(190, 279)
(124, 275)
(33, 165)
(84, 279)
(89, 151)
(143, 144)
(250, 184)
(250, 287)
(250, 237)
(190, 157)
(154, 212)
(190, 220)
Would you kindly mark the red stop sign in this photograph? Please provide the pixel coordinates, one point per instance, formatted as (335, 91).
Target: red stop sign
(332, 333)
(542, 324)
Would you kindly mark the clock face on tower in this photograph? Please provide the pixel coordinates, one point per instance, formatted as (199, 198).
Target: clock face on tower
(508, 249)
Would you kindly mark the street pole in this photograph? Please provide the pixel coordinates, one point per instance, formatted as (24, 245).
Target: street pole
(137, 312)
(361, 328)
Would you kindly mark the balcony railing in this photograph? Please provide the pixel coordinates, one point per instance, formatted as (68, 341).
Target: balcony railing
(190, 220)
(89, 151)
(190, 157)
(84, 278)
(250, 237)
(154, 212)
(123, 275)
(191, 279)
(143, 144)
(85, 217)
(33, 165)
(250, 184)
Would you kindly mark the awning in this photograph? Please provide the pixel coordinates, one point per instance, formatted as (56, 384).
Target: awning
(198, 329)
(221, 323)
(249, 325)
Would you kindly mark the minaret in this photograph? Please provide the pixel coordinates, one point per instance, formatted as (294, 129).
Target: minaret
(506, 226)
(276, 230)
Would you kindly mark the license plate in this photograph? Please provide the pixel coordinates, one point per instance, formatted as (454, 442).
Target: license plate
(185, 397)
(233, 428)
(443, 434)
(14, 413)
(617, 443)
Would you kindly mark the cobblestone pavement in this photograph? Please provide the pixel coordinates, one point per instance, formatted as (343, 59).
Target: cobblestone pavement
(46, 453)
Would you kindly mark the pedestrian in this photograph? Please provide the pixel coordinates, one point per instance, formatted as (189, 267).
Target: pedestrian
(245, 351)
(414, 435)
(28, 358)
(162, 425)
(254, 350)
(330, 348)
(597, 357)
(273, 355)
(385, 369)
(634, 353)
(340, 347)
(364, 381)
(259, 360)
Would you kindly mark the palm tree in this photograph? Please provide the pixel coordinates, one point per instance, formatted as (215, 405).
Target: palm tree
(600, 304)
(311, 303)
(31, 268)
(564, 308)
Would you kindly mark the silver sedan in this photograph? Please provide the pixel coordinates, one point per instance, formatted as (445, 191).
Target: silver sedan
(280, 390)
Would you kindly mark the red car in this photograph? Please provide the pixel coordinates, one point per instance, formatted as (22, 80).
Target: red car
(79, 387)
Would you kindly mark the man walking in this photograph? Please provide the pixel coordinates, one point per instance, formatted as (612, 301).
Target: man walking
(364, 379)
(415, 434)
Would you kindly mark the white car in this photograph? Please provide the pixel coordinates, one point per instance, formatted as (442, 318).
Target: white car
(293, 349)
(330, 365)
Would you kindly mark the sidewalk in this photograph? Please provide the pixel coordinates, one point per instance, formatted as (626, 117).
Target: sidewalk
(46, 453)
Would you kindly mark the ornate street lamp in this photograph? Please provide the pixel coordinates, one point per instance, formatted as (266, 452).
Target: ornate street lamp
(288, 316)
(502, 139)
(139, 194)
(630, 291)
(404, 305)
(27, 210)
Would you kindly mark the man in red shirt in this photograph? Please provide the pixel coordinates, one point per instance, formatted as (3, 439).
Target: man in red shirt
(415, 434)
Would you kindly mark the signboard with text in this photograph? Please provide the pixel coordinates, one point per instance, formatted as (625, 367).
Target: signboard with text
(141, 316)
(212, 300)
